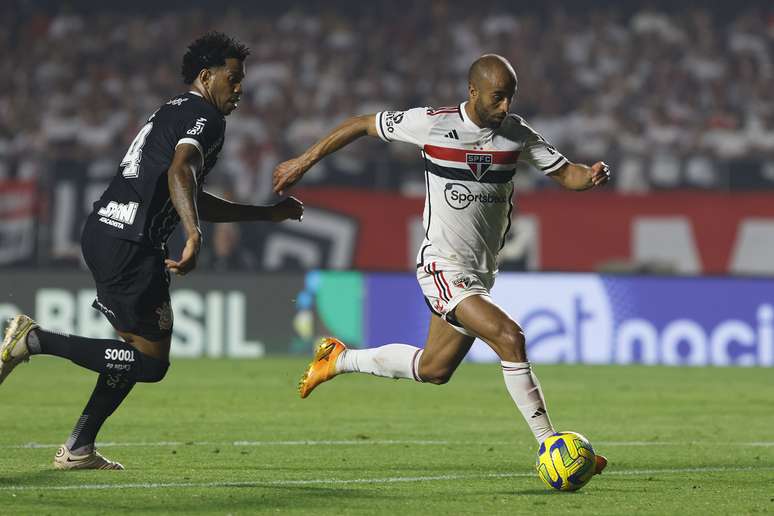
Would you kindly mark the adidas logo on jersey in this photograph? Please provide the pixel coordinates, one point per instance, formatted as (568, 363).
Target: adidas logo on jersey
(452, 134)
(117, 214)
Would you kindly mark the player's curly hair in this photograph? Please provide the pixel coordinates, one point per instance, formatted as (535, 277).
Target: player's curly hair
(209, 51)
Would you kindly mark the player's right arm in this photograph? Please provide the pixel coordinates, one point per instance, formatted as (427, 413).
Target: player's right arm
(290, 172)
(183, 191)
(410, 126)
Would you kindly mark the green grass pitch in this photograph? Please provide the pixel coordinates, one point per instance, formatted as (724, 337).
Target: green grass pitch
(232, 437)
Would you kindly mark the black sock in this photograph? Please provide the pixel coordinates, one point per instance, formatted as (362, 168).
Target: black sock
(110, 391)
(100, 355)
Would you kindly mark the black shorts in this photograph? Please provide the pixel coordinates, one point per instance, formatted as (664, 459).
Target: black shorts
(132, 283)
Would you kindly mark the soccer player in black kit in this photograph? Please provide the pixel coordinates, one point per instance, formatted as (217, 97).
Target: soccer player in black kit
(158, 184)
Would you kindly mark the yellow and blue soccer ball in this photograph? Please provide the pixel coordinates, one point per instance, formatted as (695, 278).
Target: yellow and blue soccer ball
(566, 461)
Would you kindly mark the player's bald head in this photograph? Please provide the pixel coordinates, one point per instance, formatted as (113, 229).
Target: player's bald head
(491, 88)
(491, 70)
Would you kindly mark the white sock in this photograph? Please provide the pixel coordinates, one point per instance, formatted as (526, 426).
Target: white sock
(390, 361)
(524, 388)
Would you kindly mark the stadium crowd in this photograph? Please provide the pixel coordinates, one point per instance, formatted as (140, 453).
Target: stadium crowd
(672, 99)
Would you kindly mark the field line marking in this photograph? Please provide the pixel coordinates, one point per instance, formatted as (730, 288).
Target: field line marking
(335, 481)
(383, 442)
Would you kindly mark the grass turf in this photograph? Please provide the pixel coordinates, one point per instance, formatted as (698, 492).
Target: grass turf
(231, 437)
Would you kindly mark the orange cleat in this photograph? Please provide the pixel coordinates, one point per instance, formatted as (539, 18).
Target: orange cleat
(323, 367)
(601, 464)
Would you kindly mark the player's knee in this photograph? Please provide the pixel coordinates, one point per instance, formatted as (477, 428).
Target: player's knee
(152, 370)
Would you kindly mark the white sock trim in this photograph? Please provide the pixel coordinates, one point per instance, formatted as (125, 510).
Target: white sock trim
(515, 368)
(415, 365)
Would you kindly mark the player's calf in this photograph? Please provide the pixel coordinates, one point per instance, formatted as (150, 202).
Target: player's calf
(437, 374)
(99, 355)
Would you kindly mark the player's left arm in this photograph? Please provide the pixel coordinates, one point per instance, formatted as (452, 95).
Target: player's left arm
(215, 209)
(577, 176)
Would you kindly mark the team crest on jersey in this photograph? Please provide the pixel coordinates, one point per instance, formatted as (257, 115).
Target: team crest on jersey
(165, 316)
(462, 281)
(478, 163)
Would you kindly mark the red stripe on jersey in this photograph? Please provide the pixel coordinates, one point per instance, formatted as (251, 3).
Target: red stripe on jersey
(442, 110)
(460, 155)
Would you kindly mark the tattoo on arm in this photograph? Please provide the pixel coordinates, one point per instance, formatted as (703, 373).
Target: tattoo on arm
(182, 186)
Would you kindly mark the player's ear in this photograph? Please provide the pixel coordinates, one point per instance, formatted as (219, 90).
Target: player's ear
(472, 91)
(205, 76)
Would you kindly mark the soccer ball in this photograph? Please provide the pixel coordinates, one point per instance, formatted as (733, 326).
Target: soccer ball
(566, 461)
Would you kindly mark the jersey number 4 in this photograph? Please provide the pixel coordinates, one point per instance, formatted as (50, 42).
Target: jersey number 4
(130, 165)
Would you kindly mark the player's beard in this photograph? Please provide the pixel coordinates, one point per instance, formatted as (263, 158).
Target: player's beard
(486, 118)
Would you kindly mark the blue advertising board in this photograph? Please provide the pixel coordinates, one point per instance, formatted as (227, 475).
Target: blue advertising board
(593, 319)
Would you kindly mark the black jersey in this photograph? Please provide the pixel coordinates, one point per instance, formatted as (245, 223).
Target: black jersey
(136, 205)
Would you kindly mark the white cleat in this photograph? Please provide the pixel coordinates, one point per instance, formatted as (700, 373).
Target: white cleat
(14, 349)
(66, 460)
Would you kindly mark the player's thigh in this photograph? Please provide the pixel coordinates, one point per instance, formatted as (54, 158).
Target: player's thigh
(444, 349)
(155, 348)
(481, 316)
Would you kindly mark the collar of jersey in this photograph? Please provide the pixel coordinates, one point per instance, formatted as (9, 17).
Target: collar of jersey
(192, 92)
(471, 123)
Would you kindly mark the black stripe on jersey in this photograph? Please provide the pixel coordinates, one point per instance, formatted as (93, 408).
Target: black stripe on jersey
(459, 174)
(553, 164)
(422, 255)
(429, 202)
(508, 227)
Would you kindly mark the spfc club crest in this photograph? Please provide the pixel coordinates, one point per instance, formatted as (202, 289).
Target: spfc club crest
(478, 163)
(461, 281)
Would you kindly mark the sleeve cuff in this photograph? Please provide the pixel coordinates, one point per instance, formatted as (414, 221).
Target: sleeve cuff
(380, 127)
(556, 165)
(193, 142)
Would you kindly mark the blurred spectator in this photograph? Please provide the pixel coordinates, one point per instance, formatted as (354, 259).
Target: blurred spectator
(696, 84)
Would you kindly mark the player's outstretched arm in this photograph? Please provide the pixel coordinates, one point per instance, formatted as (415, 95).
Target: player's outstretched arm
(576, 176)
(214, 209)
(181, 179)
(290, 172)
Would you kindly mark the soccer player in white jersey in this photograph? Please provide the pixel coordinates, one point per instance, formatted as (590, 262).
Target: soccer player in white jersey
(470, 153)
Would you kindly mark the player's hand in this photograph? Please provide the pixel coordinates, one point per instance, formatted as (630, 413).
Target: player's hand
(288, 173)
(187, 261)
(290, 208)
(600, 173)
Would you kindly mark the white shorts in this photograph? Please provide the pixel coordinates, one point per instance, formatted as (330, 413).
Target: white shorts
(445, 285)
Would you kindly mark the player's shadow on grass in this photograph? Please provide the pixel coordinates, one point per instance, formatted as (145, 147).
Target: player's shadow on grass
(34, 478)
(539, 492)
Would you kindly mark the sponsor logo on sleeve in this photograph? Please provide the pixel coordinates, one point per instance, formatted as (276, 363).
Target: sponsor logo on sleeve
(391, 119)
(198, 127)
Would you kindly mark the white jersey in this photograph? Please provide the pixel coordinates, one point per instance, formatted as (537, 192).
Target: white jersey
(469, 179)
